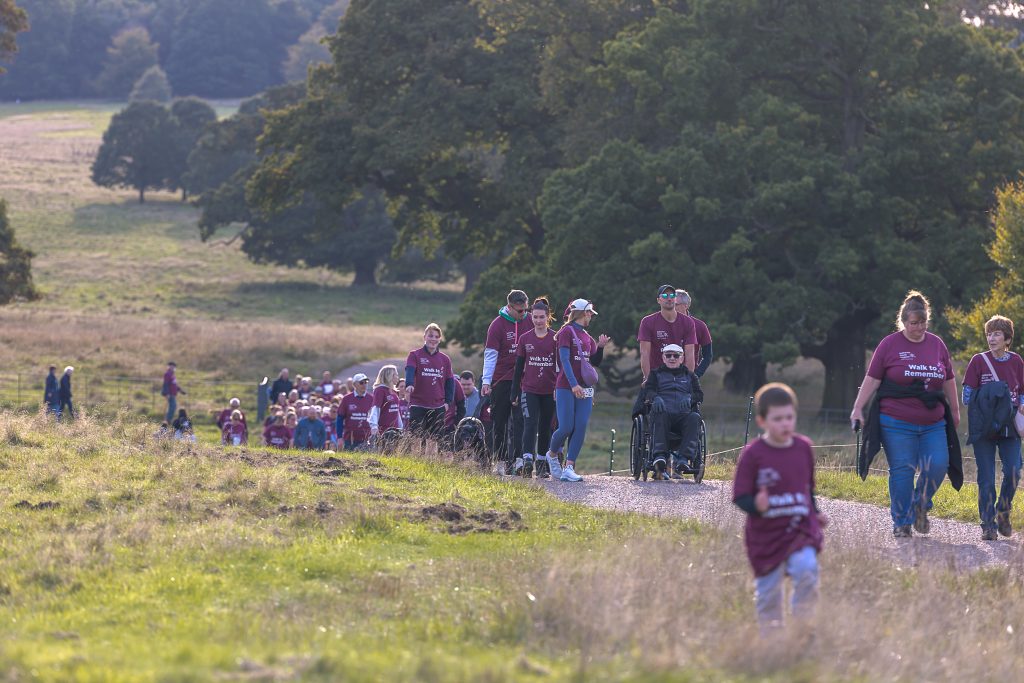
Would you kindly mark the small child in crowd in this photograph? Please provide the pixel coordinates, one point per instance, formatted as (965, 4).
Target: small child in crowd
(774, 485)
(234, 432)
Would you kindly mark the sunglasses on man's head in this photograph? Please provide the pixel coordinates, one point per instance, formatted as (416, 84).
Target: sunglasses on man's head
(668, 295)
(672, 355)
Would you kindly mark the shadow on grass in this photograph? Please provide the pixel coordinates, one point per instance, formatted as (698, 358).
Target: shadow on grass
(129, 216)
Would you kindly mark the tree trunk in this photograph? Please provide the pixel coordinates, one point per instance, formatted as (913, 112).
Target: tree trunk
(184, 195)
(142, 195)
(746, 375)
(472, 267)
(366, 274)
(842, 354)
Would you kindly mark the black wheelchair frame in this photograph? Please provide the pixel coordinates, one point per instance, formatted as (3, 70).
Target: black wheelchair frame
(641, 457)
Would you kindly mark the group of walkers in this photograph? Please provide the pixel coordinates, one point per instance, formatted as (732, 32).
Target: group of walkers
(57, 393)
(908, 405)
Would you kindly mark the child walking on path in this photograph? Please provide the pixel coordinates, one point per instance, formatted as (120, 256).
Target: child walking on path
(774, 485)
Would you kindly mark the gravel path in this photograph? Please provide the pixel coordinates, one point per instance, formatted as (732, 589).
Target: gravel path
(856, 525)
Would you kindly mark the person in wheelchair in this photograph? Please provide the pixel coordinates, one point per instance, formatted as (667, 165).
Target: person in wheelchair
(671, 398)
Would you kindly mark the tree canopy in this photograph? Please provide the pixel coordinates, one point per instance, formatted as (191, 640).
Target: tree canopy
(13, 20)
(15, 264)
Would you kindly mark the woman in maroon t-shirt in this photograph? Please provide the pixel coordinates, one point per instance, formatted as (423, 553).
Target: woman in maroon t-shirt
(998, 364)
(430, 384)
(912, 432)
(387, 410)
(533, 386)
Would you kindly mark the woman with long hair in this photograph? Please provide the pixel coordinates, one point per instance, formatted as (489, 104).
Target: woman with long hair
(387, 409)
(533, 385)
(914, 416)
(430, 385)
(578, 356)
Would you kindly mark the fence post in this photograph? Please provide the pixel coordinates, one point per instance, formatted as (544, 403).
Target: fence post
(262, 399)
(750, 413)
(19, 389)
(611, 455)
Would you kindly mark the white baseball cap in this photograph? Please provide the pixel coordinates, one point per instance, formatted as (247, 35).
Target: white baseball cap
(672, 348)
(360, 377)
(582, 305)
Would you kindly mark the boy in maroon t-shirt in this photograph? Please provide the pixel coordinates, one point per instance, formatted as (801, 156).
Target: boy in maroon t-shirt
(277, 435)
(774, 485)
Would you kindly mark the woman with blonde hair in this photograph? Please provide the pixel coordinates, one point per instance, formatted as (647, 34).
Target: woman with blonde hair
(386, 412)
(914, 416)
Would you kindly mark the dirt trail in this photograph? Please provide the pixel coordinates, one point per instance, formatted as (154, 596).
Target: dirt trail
(856, 525)
(370, 368)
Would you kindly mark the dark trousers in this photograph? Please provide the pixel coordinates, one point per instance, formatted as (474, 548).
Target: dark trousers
(686, 425)
(503, 414)
(538, 414)
(66, 402)
(426, 422)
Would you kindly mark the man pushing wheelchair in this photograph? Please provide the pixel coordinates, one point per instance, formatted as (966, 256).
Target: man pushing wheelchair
(668, 404)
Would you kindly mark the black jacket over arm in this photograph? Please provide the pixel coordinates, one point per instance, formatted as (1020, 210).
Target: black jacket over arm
(873, 427)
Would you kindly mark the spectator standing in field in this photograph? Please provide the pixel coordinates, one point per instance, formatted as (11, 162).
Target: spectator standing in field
(182, 426)
(225, 415)
(330, 418)
(234, 432)
(310, 433)
(774, 485)
(667, 326)
(386, 412)
(705, 352)
(352, 424)
(403, 401)
(430, 385)
(51, 394)
(277, 435)
(998, 364)
(281, 385)
(171, 389)
(326, 386)
(578, 356)
(499, 366)
(533, 386)
(914, 416)
(468, 381)
(64, 394)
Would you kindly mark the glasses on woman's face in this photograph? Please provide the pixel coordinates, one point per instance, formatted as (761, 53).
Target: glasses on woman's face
(672, 356)
(668, 295)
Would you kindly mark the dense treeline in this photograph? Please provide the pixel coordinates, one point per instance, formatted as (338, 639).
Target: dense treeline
(798, 169)
(210, 48)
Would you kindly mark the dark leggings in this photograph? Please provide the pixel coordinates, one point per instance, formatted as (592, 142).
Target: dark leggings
(538, 413)
(426, 422)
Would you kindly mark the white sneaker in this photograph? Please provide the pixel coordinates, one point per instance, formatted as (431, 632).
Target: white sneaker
(554, 465)
(569, 474)
(517, 469)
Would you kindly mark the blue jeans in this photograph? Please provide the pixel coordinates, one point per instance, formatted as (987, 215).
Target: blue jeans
(802, 568)
(573, 416)
(913, 448)
(172, 408)
(985, 455)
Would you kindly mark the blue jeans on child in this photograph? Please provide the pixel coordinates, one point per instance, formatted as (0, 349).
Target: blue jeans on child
(573, 415)
(802, 569)
(985, 455)
(909, 448)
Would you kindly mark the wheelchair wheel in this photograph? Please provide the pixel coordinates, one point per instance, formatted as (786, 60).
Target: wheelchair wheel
(702, 454)
(637, 451)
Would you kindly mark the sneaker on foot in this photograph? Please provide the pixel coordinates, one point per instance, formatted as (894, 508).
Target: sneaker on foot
(921, 523)
(554, 467)
(989, 535)
(1004, 526)
(902, 532)
(528, 467)
(660, 467)
(569, 474)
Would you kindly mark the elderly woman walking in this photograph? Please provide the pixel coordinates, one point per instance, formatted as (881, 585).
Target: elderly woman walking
(997, 365)
(914, 416)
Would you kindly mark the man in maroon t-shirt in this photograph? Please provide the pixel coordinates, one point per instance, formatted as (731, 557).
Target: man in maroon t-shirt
(352, 424)
(705, 354)
(499, 366)
(171, 390)
(667, 326)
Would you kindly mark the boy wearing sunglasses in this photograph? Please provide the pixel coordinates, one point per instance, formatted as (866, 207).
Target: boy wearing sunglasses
(665, 327)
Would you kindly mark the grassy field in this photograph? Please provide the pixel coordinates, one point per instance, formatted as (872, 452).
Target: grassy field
(125, 558)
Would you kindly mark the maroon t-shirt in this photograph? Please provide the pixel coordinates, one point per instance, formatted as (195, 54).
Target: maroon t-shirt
(565, 338)
(355, 410)
(902, 361)
(277, 436)
(1010, 371)
(449, 415)
(233, 431)
(403, 408)
(171, 382)
(389, 406)
(790, 522)
(502, 336)
(541, 366)
(660, 332)
(432, 370)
